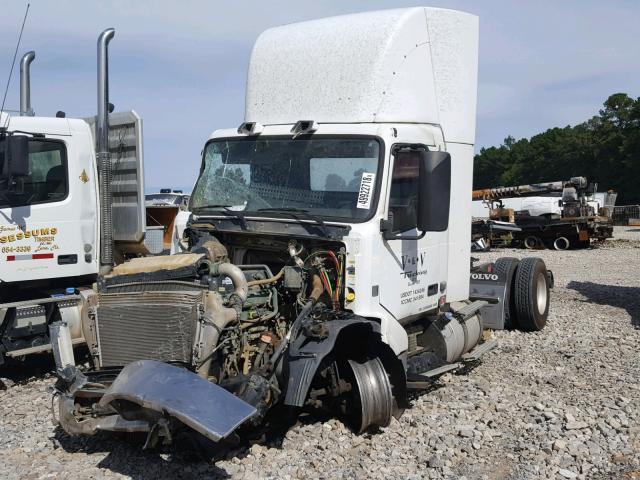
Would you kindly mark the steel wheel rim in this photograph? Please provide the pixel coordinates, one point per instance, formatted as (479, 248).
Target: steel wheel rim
(541, 293)
(531, 242)
(561, 243)
(374, 391)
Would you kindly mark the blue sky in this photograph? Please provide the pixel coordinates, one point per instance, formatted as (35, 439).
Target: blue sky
(182, 65)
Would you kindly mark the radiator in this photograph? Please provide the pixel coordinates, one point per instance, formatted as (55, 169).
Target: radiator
(147, 326)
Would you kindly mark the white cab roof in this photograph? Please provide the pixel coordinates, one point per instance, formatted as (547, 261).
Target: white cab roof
(413, 65)
(48, 125)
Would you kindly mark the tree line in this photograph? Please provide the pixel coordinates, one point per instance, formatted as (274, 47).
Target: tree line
(605, 149)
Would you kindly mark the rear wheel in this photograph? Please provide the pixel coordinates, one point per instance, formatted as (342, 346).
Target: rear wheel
(561, 243)
(531, 294)
(532, 242)
(507, 266)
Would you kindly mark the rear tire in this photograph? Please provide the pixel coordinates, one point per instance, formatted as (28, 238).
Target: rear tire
(561, 243)
(532, 242)
(531, 294)
(508, 266)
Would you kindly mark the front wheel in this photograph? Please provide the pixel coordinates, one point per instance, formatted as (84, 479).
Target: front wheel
(531, 294)
(371, 402)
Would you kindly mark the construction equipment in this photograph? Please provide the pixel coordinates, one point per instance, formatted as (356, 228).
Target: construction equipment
(71, 205)
(557, 215)
(328, 263)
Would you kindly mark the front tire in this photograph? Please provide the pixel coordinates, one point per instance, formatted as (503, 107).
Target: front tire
(531, 294)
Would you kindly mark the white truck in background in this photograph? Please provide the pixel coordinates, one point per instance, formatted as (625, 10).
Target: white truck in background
(549, 205)
(328, 263)
(71, 205)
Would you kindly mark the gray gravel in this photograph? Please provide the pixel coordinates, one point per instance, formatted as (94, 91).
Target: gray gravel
(563, 403)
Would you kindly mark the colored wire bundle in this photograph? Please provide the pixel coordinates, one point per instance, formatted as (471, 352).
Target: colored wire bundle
(334, 293)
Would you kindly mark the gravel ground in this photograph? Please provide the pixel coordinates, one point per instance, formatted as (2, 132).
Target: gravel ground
(562, 403)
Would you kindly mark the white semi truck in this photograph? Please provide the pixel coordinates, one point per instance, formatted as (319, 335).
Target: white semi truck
(328, 262)
(71, 203)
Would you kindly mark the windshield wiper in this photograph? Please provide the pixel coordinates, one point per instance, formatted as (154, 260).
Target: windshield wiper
(298, 212)
(226, 210)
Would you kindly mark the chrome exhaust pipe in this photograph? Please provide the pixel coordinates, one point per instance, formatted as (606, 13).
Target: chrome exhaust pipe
(103, 155)
(25, 84)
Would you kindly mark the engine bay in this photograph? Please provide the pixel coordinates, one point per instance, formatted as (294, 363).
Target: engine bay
(231, 324)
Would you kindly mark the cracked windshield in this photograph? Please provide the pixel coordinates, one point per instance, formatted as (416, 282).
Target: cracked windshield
(326, 177)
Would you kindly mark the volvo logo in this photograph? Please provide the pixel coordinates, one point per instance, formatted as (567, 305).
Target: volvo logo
(484, 276)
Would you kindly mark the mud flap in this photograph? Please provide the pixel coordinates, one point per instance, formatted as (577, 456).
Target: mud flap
(491, 287)
(181, 394)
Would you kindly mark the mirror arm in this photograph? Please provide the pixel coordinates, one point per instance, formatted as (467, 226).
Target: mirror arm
(405, 237)
(387, 234)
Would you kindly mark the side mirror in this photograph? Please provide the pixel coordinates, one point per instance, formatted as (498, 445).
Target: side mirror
(17, 154)
(434, 193)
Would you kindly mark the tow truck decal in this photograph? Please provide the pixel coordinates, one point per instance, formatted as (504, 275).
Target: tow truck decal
(21, 233)
(32, 244)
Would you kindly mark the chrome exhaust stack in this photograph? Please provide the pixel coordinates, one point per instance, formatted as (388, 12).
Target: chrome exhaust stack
(103, 156)
(25, 84)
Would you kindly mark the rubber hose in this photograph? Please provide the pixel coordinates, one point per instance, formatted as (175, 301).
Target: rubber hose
(267, 281)
(237, 277)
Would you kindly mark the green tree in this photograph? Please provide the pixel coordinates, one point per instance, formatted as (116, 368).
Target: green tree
(605, 149)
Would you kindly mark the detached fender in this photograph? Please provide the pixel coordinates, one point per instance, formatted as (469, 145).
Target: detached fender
(307, 354)
(147, 389)
(199, 404)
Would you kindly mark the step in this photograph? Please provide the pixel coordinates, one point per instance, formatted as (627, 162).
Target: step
(480, 350)
(470, 309)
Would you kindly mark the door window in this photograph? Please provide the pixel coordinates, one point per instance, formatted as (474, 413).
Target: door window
(403, 198)
(47, 179)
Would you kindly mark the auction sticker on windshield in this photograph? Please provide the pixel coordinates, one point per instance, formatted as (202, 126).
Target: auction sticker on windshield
(366, 190)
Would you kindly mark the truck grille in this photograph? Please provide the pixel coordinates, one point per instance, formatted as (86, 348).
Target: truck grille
(147, 326)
